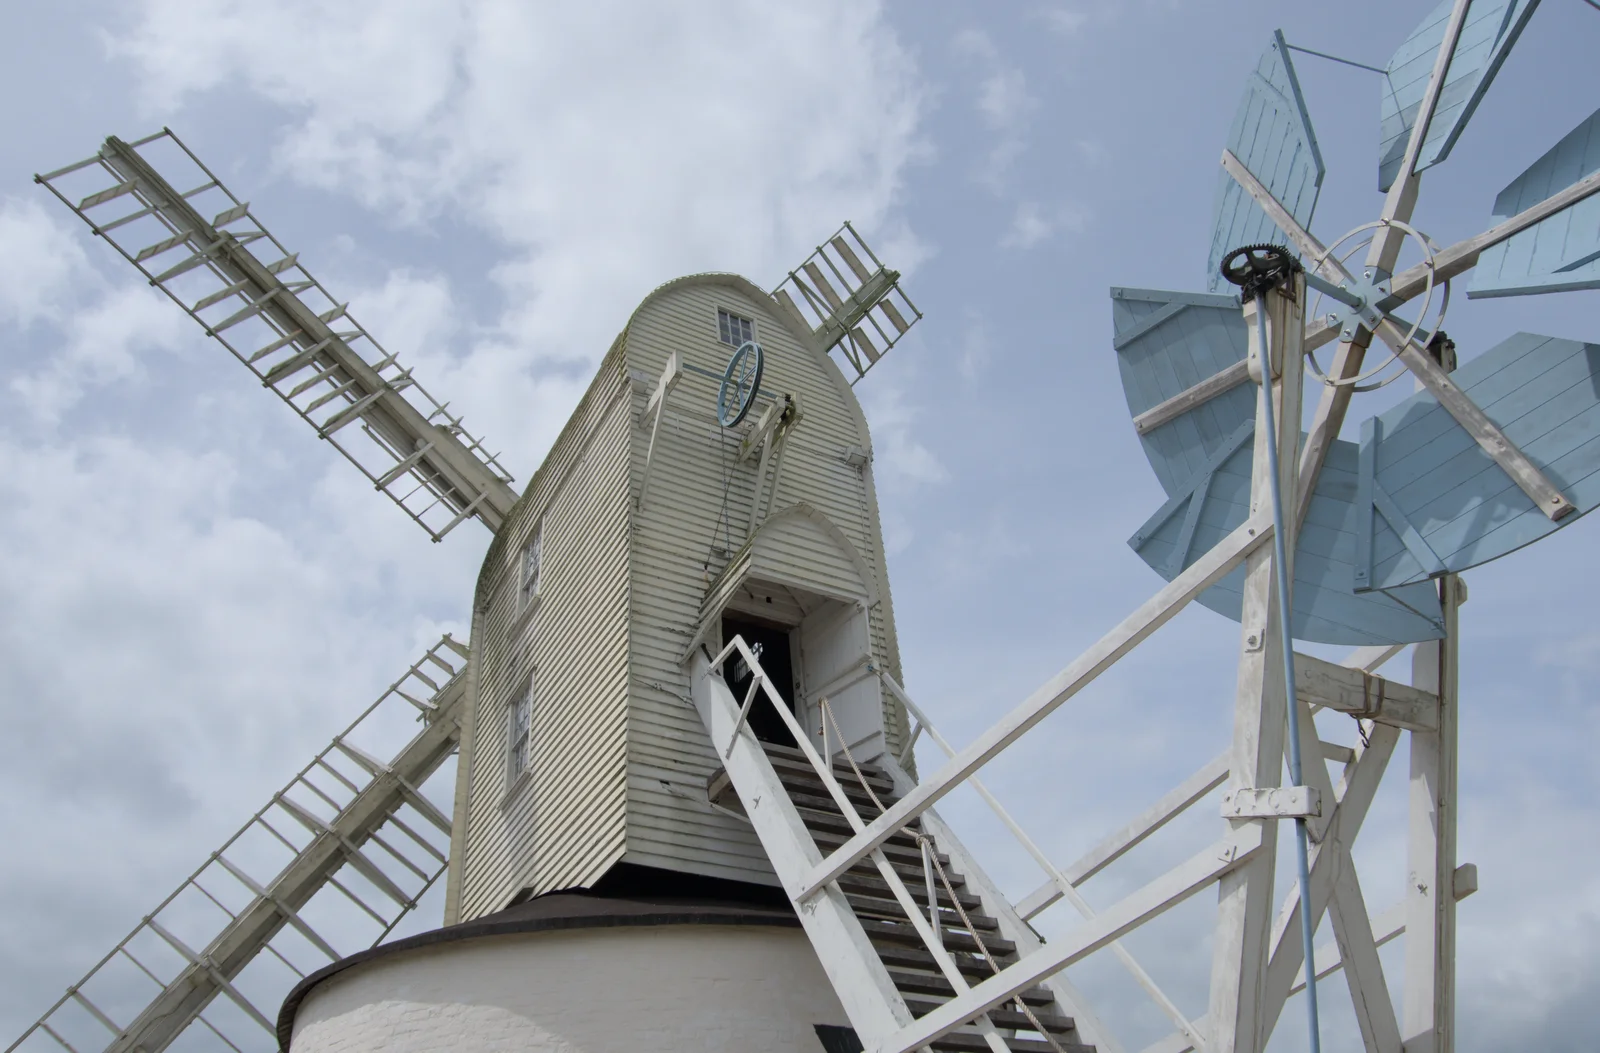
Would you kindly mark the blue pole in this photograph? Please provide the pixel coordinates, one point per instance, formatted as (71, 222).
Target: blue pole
(1286, 639)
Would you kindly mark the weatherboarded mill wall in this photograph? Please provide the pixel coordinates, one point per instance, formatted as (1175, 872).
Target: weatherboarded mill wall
(593, 633)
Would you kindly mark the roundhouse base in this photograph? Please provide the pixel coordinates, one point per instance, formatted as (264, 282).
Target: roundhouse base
(573, 974)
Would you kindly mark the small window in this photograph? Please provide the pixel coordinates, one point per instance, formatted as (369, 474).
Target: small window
(530, 567)
(519, 720)
(734, 330)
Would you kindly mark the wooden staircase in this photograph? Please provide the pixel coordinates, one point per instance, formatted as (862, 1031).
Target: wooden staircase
(912, 967)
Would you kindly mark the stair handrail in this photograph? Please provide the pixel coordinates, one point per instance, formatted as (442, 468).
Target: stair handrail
(930, 863)
(1068, 890)
(935, 946)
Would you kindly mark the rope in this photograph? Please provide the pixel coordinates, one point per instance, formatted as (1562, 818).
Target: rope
(930, 852)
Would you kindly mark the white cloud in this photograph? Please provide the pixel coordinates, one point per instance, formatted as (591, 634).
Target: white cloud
(199, 592)
(40, 262)
(975, 347)
(683, 150)
(1064, 21)
(1004, 104)
(100, 345)
(1032, 223)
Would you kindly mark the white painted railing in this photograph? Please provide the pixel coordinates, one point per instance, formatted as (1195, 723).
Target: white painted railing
(1062, 884)
(925, 926)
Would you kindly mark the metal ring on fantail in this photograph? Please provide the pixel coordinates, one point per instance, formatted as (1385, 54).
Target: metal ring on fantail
(740, 382)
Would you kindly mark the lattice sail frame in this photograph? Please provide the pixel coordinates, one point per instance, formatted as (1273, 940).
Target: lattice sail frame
(277, 319)
(865, 299)
(207, 938)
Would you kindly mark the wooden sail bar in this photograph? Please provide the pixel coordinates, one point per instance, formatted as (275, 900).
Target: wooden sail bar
(285, 327)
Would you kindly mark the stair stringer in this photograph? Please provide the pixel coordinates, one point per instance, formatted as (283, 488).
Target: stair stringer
(1069, 1000)
(874, 1006)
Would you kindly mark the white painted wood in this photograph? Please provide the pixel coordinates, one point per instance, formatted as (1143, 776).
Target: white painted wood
(1533, 482)
(655, 408)
(1152, 900)
(1363, 971)
(1240, 944)
(1363, 695)
(1133, 630)
(865, 990)
(1428, 1025)
(1112, 847)
(1218, 383)
(835, 656)
(1272, 802)
(1057, 879)
(1385, 927)
(1355, 794)
(1402, 195)
(1328, 417)
(565, 822)
(1072, 1002)
(1463, 256)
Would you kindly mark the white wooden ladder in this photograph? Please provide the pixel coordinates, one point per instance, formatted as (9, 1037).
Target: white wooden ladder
(907, 934)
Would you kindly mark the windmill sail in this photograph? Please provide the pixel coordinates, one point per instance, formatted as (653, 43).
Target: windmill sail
(867, 303)
(1430, 500)
(336, 859)
(1272, 135)
(1168, 346)
(1486, 38)
(260, 302)
(1557, 254)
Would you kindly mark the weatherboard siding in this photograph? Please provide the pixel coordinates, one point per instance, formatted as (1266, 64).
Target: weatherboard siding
(693, 520)
(563, 824)
(619, 758)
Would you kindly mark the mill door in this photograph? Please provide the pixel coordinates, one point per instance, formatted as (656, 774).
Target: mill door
(772, 648)
(835, 656)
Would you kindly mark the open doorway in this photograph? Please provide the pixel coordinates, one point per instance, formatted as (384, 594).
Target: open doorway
(771, 646)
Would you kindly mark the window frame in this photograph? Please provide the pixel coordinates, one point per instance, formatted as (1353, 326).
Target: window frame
(528, 597)
(723, 312)
(519, 710)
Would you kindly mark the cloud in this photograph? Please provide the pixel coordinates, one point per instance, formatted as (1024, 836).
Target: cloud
(1032, 223)
(1003, 102)
(199, 593)
(39, 265)
(99, 346)
(681, 152)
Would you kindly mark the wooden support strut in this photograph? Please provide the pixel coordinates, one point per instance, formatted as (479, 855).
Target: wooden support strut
(1245, 896)
(1522, 471)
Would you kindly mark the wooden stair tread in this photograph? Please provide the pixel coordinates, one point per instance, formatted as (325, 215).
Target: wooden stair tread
(859, 882)
(949, 919)
(1006, 1017)
(954, 939)
(970, 1042)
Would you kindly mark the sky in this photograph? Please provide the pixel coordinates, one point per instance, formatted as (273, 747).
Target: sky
(198, 594)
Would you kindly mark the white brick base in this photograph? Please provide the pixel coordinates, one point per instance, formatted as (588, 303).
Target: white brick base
(661, 989)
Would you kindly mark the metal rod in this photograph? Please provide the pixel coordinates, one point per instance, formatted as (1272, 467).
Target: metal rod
(1286, 639)
(1344, 61)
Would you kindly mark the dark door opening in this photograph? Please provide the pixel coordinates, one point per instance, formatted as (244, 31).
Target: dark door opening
(770, 644)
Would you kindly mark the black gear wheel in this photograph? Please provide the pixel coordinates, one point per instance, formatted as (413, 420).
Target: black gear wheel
(1257, 268)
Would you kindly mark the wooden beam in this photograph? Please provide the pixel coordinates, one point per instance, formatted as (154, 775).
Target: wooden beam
(1430, 902)
(1463, 256)
(1241, 940)
(1216, 384)
(1363, 972)
(1110, 849)
(1106, 652)
(1155, 898)
(1363, 695)
(1472, 419)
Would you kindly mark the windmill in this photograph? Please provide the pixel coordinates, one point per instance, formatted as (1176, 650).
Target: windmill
(744, 759)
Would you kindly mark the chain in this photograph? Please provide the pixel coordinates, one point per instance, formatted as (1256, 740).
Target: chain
(930, 851)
